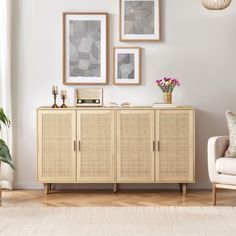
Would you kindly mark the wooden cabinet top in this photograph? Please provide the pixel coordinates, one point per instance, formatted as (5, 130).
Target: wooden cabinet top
(118, 108)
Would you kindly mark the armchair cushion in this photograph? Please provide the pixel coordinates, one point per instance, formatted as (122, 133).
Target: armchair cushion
(231, 118)
(226, 166)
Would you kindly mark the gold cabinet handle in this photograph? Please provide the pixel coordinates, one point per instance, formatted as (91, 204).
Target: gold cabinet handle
(153, 146)
(79, 146)
(75, 146)
(158, 146)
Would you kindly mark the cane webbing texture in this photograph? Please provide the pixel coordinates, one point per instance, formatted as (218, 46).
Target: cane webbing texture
(96, 148)
(174, 136)
(57, 141)
(136, 155)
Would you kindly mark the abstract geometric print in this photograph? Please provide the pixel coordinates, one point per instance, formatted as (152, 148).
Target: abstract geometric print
(139, 17)
(126, 66)
(84, 48)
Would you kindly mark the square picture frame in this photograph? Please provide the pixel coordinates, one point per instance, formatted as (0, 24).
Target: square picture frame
(85, 48)
(127, 65)
(139, 20)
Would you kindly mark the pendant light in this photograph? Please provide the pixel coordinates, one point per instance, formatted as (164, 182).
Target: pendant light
(216, 4)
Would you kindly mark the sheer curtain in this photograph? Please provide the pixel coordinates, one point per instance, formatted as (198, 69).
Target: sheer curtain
(6, 174)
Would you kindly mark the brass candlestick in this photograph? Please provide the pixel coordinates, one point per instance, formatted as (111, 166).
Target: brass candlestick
(55, 92)
(63, 97)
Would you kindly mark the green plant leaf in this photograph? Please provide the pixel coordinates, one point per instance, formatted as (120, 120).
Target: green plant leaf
(4, 119)
(5, 155)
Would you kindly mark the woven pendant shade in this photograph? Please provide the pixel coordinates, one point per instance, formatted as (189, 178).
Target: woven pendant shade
(216, 4)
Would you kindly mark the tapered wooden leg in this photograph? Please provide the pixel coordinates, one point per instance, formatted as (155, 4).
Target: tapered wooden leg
(52, 186)
(184, 188)
(46, 188)
(115, 187)
(214, 194)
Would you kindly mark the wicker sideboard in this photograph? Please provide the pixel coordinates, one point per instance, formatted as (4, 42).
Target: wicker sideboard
(116, 145)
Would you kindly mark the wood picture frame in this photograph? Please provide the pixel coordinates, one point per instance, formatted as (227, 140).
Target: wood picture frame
(127, 63)
(85, 48)
(139, 20)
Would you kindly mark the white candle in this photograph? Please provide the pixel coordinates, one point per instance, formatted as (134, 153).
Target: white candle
(63, 93)
(54, 89)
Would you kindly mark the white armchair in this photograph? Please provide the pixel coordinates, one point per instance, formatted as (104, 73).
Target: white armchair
(222, 170)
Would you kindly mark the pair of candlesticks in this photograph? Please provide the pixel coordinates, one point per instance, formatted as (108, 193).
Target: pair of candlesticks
(63, 97)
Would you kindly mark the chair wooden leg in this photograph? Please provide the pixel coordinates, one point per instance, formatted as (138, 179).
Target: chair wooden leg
(214, 194)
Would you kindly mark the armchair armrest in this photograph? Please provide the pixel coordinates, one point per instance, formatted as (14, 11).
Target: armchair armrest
(216, 148)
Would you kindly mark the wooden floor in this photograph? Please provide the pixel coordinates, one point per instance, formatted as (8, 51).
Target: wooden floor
(122, 198)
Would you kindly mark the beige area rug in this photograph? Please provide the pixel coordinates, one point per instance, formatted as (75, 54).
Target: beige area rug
(117, 221)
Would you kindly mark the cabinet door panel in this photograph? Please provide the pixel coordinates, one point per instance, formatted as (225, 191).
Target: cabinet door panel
(135, 155)
(96, 155)
(175, 133)
(56, 155)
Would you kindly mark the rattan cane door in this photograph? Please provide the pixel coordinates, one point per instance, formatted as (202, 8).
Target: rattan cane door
(135, 154)
(56, 154)
(175, 134)
(95, 131)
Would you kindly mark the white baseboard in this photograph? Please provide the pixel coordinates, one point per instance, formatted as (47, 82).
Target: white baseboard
(27, 185)
(36, 185)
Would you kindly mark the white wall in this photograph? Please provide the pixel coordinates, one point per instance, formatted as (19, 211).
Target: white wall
(198, 47)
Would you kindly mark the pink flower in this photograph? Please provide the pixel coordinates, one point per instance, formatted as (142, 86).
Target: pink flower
(175, 82)
(167, 85)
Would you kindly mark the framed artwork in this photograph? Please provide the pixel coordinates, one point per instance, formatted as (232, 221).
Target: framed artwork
(139, 20)
(126, 65)
(85, 48)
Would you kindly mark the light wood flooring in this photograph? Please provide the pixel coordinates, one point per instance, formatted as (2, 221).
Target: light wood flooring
(79, 198)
